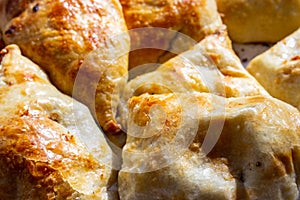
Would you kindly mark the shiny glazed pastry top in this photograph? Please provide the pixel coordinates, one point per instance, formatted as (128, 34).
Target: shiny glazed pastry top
(198, 127)
(204, 146)
(63, 37)
(177, 26)
(45, 151)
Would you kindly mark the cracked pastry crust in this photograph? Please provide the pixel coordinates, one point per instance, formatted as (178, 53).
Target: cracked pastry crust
(186, 22)
(278, 69)
(42, 151)
(60, 35)
(259, 20)
(256, 156)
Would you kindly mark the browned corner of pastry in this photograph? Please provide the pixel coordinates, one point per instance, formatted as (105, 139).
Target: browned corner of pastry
(118, 139)
(3, 52)
(112, 127)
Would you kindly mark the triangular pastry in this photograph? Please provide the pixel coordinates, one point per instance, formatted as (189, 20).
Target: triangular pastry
(256, 152)
(210, 66)
(201, 127)
(64, 37)
(50, 146)
(278, 69)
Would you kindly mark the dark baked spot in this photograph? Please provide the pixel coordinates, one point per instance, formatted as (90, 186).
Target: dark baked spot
(36, 8)
(241, 177)
(54, 116)
(266, 44)
(295, 58)
(244, 59)
(10, 31)
(258, 164)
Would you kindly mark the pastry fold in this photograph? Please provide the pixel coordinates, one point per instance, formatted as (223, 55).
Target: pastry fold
(50, 147)
(82, 42)
(175, 27)
(255, 153)
(278, 69)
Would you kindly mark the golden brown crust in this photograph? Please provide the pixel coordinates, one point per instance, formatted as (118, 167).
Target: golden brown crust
(43, 154)
(58, 35)
(41, 149)
(210, 66)
(253, 155)
(256, 155)
(259, 20)
(193, 18)
(278, 69)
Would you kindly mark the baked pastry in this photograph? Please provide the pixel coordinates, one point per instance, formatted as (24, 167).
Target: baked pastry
(210, 66)
(45, 151)
(259, 20)
(65, 36)
(278, 69)
(256, 153)
(179, 25)
(201, 127)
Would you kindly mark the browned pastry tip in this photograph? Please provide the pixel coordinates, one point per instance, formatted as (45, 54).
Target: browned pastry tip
(42, 151)
(278, 69)
(60, 35)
